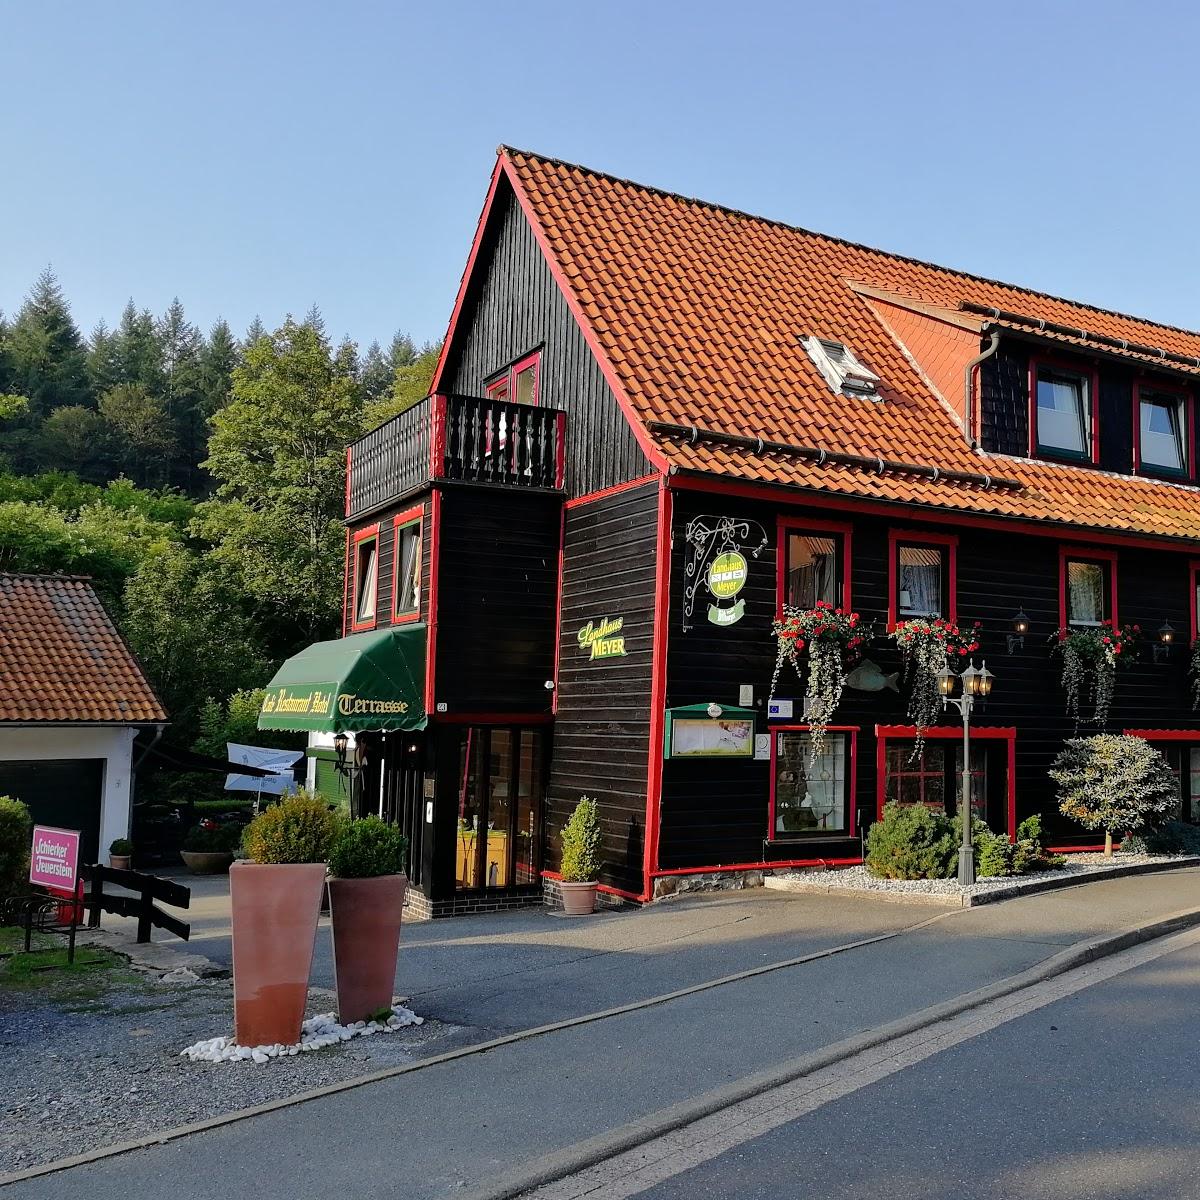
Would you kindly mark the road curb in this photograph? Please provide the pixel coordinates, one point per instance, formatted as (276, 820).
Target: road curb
(805, 887)
(595, 1150)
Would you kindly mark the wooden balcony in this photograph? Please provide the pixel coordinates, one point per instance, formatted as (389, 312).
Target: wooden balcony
(471, 439)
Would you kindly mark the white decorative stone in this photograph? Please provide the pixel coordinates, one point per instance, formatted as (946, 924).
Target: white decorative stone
(315, 1034)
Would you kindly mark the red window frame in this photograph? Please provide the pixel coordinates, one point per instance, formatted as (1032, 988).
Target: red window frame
(851, 785)
(842, 530)
(508, 378)
(919, 537)
(1189, 429)
(405, 520)
(1087, 554)
(1092, 375)
(1193, 582)
(368, 533)
(1008, 733)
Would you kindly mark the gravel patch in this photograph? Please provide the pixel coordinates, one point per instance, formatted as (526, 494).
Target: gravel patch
(87, 1071)
(1078, 869)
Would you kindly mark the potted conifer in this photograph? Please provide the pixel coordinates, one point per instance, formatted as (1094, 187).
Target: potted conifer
(580, 867)
(366, 902)
(275, 898)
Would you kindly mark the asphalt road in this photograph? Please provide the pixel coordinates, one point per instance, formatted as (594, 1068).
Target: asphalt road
(1090, 1098)
(460, 1124)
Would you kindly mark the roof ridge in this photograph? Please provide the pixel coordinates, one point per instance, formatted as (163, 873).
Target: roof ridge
(506, 149)
(49, 576)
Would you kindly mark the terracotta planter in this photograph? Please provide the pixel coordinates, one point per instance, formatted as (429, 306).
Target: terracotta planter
(206, 862)
(579, 899)
(365, 917)
(274, 927)
(119, 862)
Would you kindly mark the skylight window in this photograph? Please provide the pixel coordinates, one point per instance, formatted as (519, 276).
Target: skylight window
(840, 369)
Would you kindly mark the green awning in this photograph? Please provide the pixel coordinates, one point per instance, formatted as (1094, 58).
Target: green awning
(367, 681)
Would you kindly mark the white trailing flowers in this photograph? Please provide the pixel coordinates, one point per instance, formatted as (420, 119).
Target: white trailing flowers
(831, 638)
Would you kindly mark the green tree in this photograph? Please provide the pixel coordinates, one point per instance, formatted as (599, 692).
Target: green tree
(218, 357)
(235, 719)
(410, 385)
(73, 437)
(103, 362)
(142, 421)
(137, 350)
(375, 374)
(47, 362)
(254, 332)
(277, 452)
(191, 633)
(183, 394)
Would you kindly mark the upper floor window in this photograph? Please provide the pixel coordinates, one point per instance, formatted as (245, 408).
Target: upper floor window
(521, 382)
(1063, 411)
(814, 565)
(406, 587)
(1087, 589)
(1163, 430)
(366, 578)
(922, 573)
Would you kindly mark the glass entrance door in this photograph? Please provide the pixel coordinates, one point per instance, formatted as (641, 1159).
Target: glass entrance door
(500, 792)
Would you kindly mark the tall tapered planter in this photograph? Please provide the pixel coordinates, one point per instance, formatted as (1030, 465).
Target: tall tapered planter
(365, 917)
(275, 910)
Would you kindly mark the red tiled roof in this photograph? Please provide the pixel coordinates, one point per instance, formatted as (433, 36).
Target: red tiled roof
(699, 311)
(62, 659)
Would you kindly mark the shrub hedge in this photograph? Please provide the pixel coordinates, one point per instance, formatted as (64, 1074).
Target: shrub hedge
(366, 848)
(299, 829)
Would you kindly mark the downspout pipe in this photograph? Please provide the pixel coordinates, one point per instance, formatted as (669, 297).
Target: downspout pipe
(969, 370)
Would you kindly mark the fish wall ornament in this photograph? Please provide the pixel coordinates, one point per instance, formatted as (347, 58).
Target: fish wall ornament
(867, 677)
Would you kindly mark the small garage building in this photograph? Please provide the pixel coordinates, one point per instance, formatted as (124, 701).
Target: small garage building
(72, 703)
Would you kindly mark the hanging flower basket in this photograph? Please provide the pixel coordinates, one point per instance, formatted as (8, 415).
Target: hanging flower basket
(928, 647)
(1089, 666)
(822, 644)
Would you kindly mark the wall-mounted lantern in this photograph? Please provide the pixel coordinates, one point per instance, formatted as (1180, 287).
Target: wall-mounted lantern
(1166, 639)
(1020, 627)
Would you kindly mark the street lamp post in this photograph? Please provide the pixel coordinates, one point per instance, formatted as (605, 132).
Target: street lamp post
(976, 685)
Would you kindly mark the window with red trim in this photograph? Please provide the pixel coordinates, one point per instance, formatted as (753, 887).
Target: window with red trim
(934, 776)
(811, 796)
(1063, 400)
(520, 382)
(814, 564)
(922, 576)
(365, 552)
(1162, 431)
(406, 566)
(1087, 588)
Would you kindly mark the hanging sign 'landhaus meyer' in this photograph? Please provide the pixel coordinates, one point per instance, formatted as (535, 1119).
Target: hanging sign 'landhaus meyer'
(717, 558)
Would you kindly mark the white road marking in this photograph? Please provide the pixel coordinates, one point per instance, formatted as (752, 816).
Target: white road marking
(651, 1163)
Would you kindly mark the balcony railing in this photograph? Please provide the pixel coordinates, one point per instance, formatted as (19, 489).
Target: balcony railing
(469, 438)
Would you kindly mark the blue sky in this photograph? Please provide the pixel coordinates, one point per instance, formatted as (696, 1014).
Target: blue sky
(257, 158)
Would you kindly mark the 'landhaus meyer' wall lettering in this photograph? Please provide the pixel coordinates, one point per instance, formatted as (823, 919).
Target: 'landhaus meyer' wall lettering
(717, 558)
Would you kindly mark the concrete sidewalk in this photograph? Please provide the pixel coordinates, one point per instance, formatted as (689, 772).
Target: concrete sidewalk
(434, 1131)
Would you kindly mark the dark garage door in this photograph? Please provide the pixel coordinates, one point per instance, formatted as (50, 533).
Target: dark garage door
(62, 792)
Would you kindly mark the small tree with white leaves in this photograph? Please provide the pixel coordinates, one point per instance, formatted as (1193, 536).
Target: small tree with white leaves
(1114, 782)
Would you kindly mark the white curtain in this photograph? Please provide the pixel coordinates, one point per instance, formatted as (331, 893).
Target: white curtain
(920, 582)
(812, 571)
(1085, 593)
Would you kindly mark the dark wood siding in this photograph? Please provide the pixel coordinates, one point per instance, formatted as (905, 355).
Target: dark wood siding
(602, 729)
(497, 591)
(514, 307)
(717, 812)
(387, 547)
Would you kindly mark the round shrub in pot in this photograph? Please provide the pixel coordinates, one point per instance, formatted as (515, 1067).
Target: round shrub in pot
(120, 854)
(208, 848)
(366, 903)
(275, 899)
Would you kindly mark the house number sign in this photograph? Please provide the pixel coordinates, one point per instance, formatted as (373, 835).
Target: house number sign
(717, 549)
